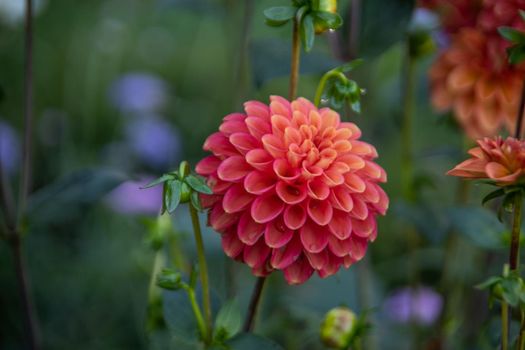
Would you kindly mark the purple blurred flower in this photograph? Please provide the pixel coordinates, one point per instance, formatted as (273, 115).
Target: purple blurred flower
(154, 141)
(9, 148)
(138, 92)
(129, 198)
(421, 305)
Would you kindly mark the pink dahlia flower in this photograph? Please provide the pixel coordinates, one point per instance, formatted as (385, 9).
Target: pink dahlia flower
(294, 189)
(502, 161)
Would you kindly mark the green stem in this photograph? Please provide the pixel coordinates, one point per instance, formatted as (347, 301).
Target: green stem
(514, 255)
(521, 338)
(154, 295)
(407, 166)
(203, 271)
(320, 88)
(254, 304)
(505, 316)
(295, 61)
(197, 312)
(504, 325)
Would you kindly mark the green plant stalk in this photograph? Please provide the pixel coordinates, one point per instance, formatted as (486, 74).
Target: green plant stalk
(197, 312)
(505, 316)
(326, 77)
(295, 60)
(203, 271)
(407, 162)
(521, 338)
(153, 291)
(516, 230)
(249, 323)
(504, 325)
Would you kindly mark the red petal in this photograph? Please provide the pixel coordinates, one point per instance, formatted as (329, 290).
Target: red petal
(314, 237)
(221, 220)
(236, 199)
(219, 144)
(207, 165)
(341, 224)
(294, 216)
(290, 194)
(277, 234)
(285, 171)
(299, 272)
(266, 208)
(258, 182)
(354, 183)
(257, 109)
(255, 255)
(248, 230)
(229, 127)
(231, 245)
(233, 169)
(259, 159)
(274, 145)
(360, 210)
(317, 260)
(285, 256)
(357, 247)
(320, 211)
(339, 247)
(341, 199)
(317, 189)
(258, 127)
(244, 142)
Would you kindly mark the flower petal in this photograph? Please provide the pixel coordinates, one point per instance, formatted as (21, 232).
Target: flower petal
(314, 237)
(290, 194)
(233, 169)
(244, 142)
(317, 260)
(236, 199)
(286, 255)
(259, 159)
(207, 166)
(220, 220)
(231, 244)
(276, 234)
(299, 272)
(258, 182)
(294, 216)
(320, 211)
(266, 208)
(341, 224)
(255, 255)
(248, 230)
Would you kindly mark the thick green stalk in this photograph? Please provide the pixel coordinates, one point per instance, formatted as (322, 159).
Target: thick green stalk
(295, 61)
(203, 271)
(514, 255)
(504, 325)
(197, 312)
(254, 304)
(407, 166)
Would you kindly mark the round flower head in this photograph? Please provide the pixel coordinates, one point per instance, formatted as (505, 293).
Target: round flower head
(502, 161)
(294, 189)
(474, 79)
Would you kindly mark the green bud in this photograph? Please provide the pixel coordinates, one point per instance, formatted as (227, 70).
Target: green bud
(338, 327)
(185, 194)
(169, 279)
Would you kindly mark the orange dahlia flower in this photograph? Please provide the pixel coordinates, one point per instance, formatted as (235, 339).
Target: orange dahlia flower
(294, 189)
(502, 161)
(474, 79)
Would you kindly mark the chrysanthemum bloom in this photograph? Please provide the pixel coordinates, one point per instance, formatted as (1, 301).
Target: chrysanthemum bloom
(474, 79)
(294, 189)
(454, 14)
(497, 13)
(502, 161)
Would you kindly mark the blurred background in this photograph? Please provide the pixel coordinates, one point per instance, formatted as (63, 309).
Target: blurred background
(126, 89)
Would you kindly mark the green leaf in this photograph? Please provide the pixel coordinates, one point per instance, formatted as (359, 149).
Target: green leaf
(516, 54)
(169, 279)
(228, 321)
(160, 180)
(356, 106)
(350, 66)
(69, 197)
(278, 16)
(175, 191)
(307, 32)
(328, 19)
(489, 282)
(493, 195)
(511, 290)
(511, 34)
(249, 341)
(195, 201)
(198, 184)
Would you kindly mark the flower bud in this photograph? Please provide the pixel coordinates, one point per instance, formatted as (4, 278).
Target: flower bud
(337, 327)
(169, 279)
(323, 6)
